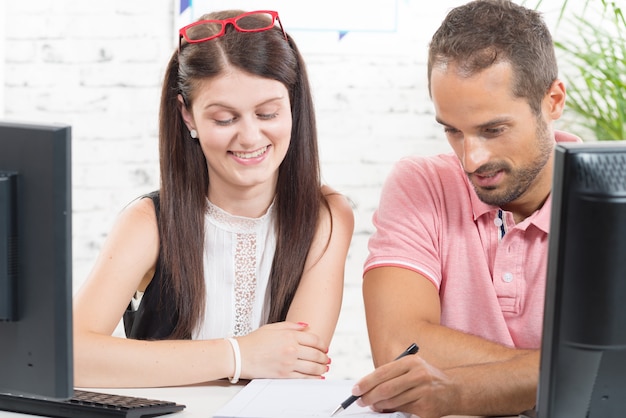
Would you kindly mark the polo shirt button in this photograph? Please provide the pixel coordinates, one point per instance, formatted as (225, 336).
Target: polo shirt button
(507, 277)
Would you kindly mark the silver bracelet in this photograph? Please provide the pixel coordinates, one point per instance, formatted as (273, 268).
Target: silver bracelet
(235, 345)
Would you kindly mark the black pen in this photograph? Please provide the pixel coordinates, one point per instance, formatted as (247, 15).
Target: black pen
(413, 348)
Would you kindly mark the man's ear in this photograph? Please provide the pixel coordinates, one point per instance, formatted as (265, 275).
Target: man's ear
(185, 113)
(554, 101)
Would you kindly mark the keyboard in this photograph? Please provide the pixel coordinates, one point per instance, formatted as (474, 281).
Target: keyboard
(85, 404)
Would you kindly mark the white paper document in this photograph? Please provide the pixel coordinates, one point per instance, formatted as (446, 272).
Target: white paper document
(295, 398)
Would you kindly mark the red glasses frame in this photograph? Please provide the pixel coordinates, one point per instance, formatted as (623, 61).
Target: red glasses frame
(233, 21)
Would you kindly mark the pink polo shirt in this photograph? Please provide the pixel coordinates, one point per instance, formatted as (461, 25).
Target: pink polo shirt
(430, 221)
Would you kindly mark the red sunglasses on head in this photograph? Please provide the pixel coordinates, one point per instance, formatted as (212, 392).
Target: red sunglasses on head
(205, 30)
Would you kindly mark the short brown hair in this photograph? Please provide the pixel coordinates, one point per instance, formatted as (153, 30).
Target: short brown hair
(485, 32)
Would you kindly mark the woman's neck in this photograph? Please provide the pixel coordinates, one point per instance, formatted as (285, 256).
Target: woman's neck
(248, 203)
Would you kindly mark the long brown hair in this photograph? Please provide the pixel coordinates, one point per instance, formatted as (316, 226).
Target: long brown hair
(184, 175)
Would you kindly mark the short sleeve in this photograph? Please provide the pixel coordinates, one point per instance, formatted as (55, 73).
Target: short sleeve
(408, 221)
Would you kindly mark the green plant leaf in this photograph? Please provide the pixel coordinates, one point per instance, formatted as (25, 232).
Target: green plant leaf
(597, 86)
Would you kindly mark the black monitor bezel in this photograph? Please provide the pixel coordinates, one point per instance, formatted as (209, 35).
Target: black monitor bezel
(580, 376)
(36, 350)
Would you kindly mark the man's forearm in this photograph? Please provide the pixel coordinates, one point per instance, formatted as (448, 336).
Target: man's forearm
(497, 388)
(447, 348)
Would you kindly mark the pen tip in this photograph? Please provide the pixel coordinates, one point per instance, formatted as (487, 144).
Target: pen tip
(339, 408)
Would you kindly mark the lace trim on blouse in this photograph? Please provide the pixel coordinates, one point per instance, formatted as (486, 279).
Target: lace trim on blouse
(245, 263)
(236, 223)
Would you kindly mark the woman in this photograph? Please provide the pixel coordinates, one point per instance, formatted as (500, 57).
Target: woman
(235, 266)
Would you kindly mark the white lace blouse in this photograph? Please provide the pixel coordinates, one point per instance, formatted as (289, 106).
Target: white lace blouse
(238, 255)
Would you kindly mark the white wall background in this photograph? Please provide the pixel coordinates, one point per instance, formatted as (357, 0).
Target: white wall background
(98, 66)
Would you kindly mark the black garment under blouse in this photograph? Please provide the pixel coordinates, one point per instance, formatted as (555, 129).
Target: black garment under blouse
(155, 318)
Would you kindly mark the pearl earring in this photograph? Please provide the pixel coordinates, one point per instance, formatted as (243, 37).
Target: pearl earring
(193, 133)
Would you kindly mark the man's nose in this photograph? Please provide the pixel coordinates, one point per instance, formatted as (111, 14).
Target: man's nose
(475, 153)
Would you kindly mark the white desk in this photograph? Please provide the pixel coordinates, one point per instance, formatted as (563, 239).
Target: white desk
(201, 400)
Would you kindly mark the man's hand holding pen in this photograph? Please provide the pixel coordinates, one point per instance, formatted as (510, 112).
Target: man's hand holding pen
(409, 384)
(412, 349)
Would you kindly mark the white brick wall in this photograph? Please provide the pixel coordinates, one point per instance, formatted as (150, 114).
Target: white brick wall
(98, 66)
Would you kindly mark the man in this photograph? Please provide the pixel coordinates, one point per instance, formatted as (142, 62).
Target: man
(458, 260)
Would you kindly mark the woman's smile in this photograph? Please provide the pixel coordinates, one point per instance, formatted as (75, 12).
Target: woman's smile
(251, 154)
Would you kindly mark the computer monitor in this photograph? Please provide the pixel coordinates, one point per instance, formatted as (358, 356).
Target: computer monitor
(36, 357)
(583, 352)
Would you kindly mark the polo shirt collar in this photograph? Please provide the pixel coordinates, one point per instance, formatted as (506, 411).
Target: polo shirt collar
(540, 218)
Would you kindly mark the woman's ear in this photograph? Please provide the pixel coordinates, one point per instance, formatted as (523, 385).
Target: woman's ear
(186, 114)
(554, 102)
